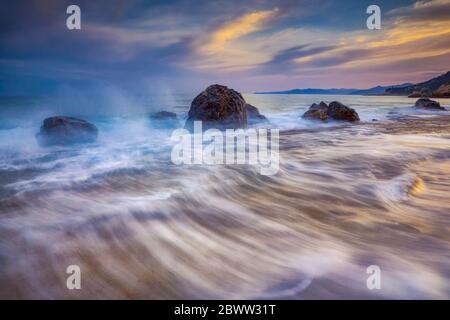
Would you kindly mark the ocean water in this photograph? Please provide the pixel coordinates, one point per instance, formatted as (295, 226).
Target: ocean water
(346, 196)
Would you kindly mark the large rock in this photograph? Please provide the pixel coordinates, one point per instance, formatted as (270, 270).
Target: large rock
(317, 111)
(218, 107)
(338, 111)
(253, 114)
(66, 130)
(428, 104)
(334, 111)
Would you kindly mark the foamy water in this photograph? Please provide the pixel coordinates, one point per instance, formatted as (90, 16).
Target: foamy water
(346, 197)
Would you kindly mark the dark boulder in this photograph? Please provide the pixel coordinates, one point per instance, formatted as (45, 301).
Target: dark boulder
(253, 114)
(334, 111)
(338, 111)
(428, 104)
(66, 130)
(218, 107)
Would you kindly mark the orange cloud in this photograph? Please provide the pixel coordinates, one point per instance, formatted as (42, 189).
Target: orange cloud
(417, 32)
(403, 32)
(412, 35)
(235, 29)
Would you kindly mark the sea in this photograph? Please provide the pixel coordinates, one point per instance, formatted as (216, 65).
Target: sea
(347, 197)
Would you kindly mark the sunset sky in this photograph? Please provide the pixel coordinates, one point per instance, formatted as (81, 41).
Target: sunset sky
(250, 45)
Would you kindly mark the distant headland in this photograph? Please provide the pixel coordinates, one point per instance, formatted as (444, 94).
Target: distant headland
(438, 87)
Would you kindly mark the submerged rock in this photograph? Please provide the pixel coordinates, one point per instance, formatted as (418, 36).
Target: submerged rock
(163, 115)
(253, 114)
(218, 107)
(66, 130)
(335, 111)
(164, 119)
(428, 104)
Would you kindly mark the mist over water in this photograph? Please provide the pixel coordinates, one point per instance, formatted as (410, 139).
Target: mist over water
(346, 197)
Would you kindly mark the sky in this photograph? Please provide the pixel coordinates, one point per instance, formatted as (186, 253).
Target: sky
(253, 45)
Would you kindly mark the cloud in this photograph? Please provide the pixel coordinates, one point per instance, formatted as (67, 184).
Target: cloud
(423, 11)
(286, 60)
(243, 25)
(414, 31)
(412, 35)
(220, 50)
(245, 43)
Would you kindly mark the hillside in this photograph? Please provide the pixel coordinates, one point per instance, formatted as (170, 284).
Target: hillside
(378, 89)
(443, 91)
(310, 91)
(436, 87)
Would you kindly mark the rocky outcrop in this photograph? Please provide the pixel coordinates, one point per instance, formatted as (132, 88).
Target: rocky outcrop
(253, 115)
(422, 89)
(66, 130)
(415, 95)
(426, 103)
(334, 111)
(163, 115)
(442, 92)
(424, 93)
(218, 107)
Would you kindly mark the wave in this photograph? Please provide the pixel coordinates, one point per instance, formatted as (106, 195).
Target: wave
(345, 197)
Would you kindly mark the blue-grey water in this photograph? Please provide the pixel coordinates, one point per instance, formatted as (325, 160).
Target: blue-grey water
(346, 196)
